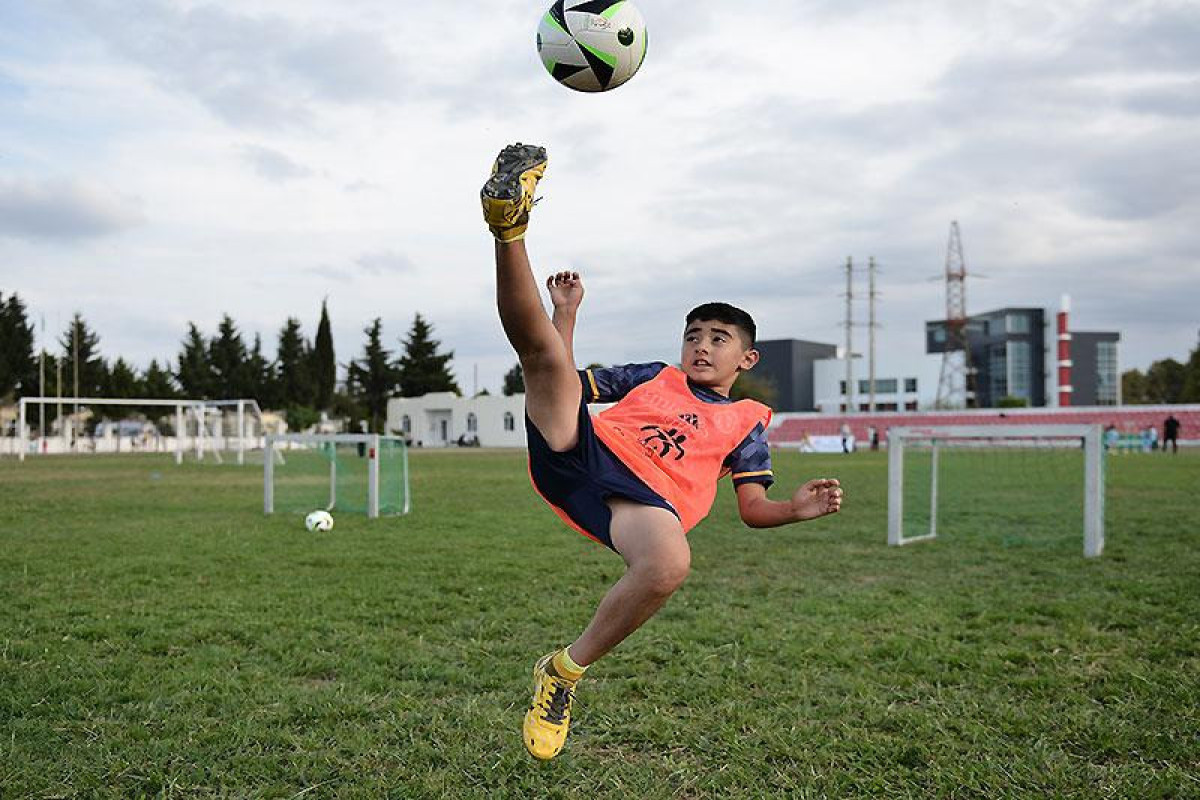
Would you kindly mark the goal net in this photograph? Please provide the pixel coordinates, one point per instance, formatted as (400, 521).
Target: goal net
(363, 473)
(1018, 484)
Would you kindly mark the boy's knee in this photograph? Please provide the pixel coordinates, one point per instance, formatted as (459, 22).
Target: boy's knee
(666, 574)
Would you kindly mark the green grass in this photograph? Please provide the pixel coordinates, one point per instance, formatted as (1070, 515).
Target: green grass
(159, 637)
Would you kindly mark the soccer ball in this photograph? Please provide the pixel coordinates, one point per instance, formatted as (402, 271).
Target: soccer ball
(319, 521)
(592, 45)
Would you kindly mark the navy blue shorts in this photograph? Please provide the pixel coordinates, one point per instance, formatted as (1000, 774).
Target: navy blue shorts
(577, 483)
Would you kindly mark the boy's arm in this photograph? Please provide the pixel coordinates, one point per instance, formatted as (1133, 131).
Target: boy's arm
(816, 498)
(566, 293)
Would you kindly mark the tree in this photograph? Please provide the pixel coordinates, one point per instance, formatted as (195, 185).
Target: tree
(753, 387)
(122, 380)
(82, 360)
(195, 373)
(1165, 379)
(422, 369)
(292, 375)
(157, 383)
(324, 365)
(1190, 393)
(1135, 389)
(259, 380)
(514, 381)
(18, 362)
(227, 356)
(372, 379)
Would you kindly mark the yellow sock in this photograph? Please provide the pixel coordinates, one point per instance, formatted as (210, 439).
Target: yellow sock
(567, 668)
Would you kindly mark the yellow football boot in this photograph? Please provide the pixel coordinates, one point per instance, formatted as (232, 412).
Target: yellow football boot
(508, 194)
(549, 715)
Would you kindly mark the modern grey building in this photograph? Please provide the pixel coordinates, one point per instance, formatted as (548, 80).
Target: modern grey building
(788, 365)
(1013, 356)
(1095, 369)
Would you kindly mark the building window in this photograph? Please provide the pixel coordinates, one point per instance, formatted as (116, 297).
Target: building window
(997, 374)
(882, 386)
(1107, 376)
(842, 387)
(1018, 323)
(406, 424)
(910, 384)
(509, 421)
(1020, 373)
(472, 423)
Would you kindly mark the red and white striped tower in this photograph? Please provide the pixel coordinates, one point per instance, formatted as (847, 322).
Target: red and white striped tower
(1064, 353)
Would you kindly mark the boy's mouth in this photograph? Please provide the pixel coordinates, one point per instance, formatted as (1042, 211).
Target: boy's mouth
(700, 362)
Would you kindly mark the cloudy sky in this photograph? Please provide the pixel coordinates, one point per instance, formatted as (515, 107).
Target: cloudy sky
(167, 161)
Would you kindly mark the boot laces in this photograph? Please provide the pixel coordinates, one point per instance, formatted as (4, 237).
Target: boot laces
(556, 707)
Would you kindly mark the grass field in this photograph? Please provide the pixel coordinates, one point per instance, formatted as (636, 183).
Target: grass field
(160, 637)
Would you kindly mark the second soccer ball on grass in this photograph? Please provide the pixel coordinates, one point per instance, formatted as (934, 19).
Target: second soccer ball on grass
(319, 521)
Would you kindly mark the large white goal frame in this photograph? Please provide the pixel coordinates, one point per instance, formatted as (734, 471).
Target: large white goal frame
(277, 445)
(197, 408)
(1090, 436)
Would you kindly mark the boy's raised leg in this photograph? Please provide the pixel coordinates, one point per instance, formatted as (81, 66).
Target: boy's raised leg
(552, 389)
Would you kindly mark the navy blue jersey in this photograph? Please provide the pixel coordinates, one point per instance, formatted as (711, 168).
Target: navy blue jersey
(750, 461)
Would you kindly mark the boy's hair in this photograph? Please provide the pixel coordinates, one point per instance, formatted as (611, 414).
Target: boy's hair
(730, 315)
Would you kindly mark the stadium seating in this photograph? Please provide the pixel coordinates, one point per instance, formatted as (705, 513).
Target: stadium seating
(791, 428)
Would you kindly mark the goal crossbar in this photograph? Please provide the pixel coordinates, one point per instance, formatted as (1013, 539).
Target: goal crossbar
(1089, 436)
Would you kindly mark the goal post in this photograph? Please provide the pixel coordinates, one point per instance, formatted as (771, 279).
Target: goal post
(936, 441)
(365, 472)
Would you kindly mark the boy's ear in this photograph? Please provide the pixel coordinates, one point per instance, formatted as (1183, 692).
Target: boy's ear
(749, 359)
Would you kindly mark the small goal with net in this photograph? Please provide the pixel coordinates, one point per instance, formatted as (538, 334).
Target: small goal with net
(1019, 483)
(363, 473)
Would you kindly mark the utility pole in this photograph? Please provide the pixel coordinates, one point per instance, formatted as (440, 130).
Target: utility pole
(42, 384)
(956, 385)
(849, 335)
(871, 295)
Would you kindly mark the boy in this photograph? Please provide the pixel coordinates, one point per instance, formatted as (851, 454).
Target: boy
(640, 475)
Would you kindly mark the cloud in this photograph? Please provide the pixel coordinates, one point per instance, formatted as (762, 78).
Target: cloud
(272, 164)
(62, 210)
(385, 262)
(251, 71)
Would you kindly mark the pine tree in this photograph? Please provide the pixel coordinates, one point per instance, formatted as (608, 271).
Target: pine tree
(156, 383)
(195, 373)
(258, 375)
(422, 369)
(292, 375)
(18, 361)
(81, 352)
(372, 378)
(324, 365)
(514, 381)
(122, 382)
(227, 355)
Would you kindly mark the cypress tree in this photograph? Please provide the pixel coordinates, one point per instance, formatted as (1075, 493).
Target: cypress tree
(324, 365)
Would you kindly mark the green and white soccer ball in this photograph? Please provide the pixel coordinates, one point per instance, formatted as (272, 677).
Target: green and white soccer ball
(319, 520)
(592, 45)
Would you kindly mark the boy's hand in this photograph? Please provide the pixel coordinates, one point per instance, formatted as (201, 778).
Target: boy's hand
(566, 290)
(817, 498)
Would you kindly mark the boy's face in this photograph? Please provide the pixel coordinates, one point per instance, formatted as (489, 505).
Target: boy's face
(714, 353)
